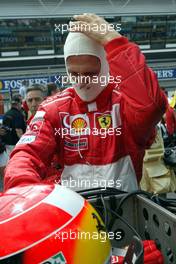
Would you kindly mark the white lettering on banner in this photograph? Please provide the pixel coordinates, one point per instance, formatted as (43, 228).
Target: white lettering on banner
(38, 80)
(26, 139)
(6, 40)
(6, 84)
(17, 83)
(13, 84)
(162, 74)
(31, 81)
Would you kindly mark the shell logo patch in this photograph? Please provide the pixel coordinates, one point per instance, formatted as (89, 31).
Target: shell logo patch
(78, 124)
(105, 121)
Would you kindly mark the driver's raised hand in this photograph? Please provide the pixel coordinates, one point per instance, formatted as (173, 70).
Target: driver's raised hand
(94, 27)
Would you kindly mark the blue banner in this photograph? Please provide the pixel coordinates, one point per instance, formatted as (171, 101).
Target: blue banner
(165, 74)
(11, 84)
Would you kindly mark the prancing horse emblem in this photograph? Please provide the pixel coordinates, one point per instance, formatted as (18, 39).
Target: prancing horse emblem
(104, 121)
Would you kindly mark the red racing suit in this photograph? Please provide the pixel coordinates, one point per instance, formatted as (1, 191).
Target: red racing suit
(115, 128)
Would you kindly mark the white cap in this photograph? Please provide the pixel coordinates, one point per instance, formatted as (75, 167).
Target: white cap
(79, 44)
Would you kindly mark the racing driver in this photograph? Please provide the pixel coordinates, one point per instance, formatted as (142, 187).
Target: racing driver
(99, 128)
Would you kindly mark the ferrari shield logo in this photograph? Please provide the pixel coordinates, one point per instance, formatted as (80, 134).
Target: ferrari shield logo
(104, 121)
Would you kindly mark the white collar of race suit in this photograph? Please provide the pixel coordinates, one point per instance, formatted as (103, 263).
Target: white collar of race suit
(99, 104)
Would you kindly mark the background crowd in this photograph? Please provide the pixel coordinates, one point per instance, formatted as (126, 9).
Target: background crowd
(23, 107)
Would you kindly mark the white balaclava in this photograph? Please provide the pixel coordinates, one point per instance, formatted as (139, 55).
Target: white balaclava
(79, 44)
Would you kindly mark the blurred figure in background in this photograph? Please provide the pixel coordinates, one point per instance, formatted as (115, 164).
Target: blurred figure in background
(157, 176)
(23, 88)
(22, 92)
(168, 122)
(51, 89)
(3, 157)
(171, 121)
(1, 104)
(14, 124)
(172, 101)
(171, 117)
(34, 97)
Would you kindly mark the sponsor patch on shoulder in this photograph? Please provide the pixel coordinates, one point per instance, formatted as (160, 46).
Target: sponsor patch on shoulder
(26, 139)
(40, 114)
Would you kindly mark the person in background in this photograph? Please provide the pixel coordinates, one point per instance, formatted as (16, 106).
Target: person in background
(157, 176)
(172, 101)
(170, 119)
(3, 157)
(23, 88)
(14, 124)
(1, 104)
(34, 97)
(51, 89)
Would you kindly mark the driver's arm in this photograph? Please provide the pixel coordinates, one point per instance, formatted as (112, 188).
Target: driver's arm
(32, 153)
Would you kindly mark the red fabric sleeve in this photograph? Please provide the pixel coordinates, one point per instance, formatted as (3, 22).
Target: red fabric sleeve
(25, 106)
(145, 102)
(32, 155)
